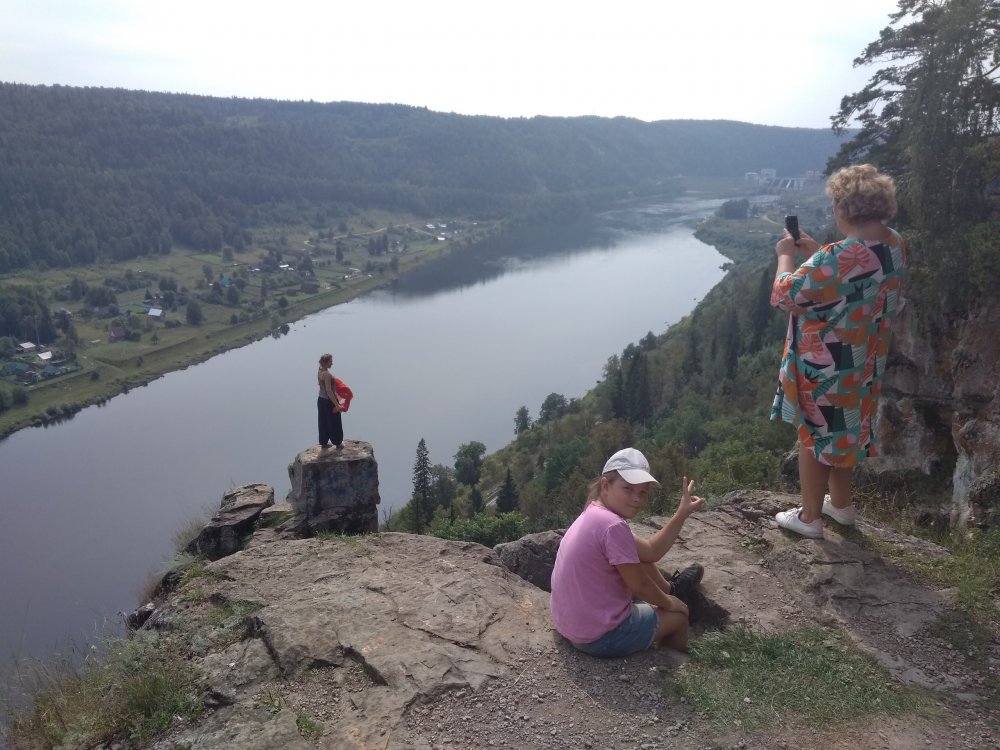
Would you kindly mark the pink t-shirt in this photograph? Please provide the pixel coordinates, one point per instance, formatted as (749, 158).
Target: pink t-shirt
(589, 597)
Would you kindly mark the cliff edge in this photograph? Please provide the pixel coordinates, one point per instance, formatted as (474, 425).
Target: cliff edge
(391, 641)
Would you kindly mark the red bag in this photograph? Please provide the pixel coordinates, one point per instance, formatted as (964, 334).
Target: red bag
(343, 393)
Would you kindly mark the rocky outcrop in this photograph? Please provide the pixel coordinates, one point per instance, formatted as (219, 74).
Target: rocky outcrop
(940, 413)
(234, 522)
(392, 641)
(532, 557)
(335, 490)
(392, 620)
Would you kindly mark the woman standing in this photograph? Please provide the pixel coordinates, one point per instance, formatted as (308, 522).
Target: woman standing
(841, 302)
(331, 426)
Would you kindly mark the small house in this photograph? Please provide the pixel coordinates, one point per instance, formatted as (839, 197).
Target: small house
(26, 347)
(118, 332)
(15, 368)
(51, 371)
(156, 312)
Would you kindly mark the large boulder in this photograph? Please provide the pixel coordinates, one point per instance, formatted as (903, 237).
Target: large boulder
(532, 557)
(335, 490)
(234, 522)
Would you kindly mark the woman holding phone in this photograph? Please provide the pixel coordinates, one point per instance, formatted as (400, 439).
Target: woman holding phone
(841, 302)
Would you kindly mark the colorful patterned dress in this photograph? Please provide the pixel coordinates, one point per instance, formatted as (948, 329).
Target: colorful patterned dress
(841, 303)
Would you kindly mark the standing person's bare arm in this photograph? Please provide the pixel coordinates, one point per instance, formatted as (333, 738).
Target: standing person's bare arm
(651, 549)
(330, 391)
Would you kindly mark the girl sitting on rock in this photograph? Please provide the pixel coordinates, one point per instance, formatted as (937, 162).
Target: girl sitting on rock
(601, 566)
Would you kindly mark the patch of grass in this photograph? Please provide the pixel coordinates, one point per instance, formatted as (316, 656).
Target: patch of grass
(308, 727)
(235, 608)
(972, 640)
(755, 544)
(275, 519)
(229, 617)
(968, 637)
(273, 700)
(194, 595)
(737, 678)
(134, 691)
(972, 568)
(191, 568)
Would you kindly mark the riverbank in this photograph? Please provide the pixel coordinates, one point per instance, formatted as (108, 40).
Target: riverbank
(340, 268)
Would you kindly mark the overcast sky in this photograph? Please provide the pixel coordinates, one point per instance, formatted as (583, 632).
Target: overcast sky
(775, 62)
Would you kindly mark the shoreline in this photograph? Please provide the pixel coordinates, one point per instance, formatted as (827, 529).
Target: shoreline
(54, 402)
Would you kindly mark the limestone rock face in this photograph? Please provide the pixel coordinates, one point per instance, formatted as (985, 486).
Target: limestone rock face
(234, 521)
(335, 490)
(940, 409)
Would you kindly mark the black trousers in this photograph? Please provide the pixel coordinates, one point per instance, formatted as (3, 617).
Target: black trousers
(331, 427)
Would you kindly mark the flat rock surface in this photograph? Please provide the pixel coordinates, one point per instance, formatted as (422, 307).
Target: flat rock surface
(400, 641)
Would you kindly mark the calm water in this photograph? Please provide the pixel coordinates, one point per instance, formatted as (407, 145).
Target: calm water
(90, 506)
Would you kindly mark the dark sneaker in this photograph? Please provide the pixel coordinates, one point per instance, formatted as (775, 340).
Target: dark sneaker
(682, 582)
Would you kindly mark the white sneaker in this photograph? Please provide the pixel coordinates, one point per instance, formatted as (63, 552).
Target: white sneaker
(790, 520)
(844, 516)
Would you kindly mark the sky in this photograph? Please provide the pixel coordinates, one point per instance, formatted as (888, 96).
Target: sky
(772, 62)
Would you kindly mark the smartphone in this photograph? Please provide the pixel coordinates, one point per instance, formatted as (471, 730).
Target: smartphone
(792, 225)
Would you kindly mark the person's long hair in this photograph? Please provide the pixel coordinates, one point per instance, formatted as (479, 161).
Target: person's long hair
(594, 490)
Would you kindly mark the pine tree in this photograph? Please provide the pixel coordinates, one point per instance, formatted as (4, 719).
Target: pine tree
(522, 421)
(507, 499)
(421, 500)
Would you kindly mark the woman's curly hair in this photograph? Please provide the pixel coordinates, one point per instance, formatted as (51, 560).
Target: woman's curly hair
(861, 194)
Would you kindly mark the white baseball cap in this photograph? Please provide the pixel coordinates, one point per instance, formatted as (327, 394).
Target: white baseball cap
(631, 465)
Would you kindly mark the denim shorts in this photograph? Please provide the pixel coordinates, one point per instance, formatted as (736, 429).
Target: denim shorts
(635, 633)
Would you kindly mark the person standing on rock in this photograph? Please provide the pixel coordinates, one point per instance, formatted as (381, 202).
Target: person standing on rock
(842, 301)
(331, 426)
(601, 566)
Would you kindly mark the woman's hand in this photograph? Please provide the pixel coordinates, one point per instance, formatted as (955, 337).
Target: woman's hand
(689, 503)
(788, 247)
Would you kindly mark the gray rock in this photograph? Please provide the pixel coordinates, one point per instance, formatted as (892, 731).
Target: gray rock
(335, 490)
(412, 615)
(234, 522)
(532, 557)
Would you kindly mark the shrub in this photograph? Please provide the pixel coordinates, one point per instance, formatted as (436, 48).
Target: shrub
(483, 528)
(134, 691)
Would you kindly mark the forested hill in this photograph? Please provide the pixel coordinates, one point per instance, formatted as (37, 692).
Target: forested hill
(88, 173)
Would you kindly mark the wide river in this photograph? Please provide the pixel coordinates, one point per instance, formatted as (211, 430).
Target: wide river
(90, 507)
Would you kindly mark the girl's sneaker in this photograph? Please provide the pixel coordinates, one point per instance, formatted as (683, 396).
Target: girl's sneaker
(790, 520)
(682, 582)
(844, 516)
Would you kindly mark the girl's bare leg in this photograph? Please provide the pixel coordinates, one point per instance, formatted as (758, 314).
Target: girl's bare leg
(671, 631)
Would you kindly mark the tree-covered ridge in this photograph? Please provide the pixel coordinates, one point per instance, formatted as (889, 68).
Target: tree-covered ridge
(696, 398)
(108, 173)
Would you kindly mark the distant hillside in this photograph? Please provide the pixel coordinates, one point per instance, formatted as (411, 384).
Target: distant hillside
(90, 173)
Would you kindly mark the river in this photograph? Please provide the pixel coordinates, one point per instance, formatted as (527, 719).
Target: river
(91, 505)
